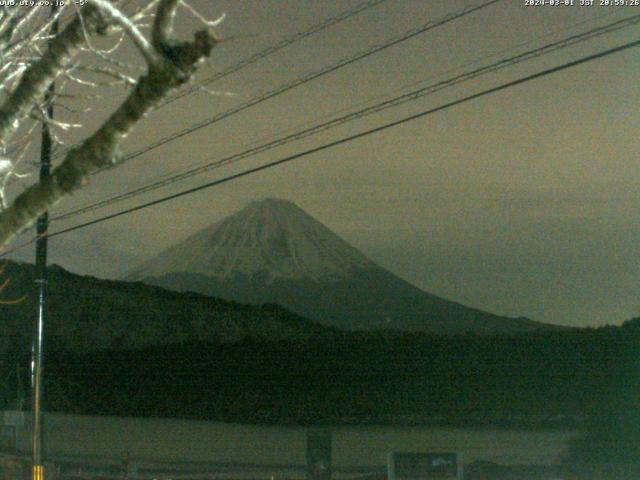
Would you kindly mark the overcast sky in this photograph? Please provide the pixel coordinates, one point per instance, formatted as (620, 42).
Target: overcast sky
(522, 203)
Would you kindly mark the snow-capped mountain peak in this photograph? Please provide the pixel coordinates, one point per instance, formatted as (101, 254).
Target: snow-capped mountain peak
(273, 252)
(272, 238)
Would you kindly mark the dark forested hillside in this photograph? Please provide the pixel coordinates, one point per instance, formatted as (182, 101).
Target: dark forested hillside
(583, 379)
(119, 348)
(86, 313)
(554, 378)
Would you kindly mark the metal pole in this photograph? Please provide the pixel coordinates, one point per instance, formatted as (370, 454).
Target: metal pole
(41, 280)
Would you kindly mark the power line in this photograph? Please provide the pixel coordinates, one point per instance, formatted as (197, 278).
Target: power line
(350, 138)
(393, 102)
(307, 78)
(430, 25)
(296, 37)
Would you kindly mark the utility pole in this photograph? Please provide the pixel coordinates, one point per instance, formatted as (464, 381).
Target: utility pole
(41, 281)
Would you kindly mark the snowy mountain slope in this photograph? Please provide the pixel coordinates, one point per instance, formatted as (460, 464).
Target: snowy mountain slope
(272, 237)
(274, 252)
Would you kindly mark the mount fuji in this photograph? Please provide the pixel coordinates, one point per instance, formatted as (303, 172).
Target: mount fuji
(274, 252)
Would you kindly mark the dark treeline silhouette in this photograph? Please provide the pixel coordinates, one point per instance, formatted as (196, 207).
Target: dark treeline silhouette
(382, 377)
(585, 379)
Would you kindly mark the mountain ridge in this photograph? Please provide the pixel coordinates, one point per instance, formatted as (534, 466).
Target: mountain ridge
(85, 313)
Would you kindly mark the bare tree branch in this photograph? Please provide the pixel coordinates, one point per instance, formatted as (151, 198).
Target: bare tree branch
(130, 29)
(174, 65)
(163, 23)
(37, 78)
